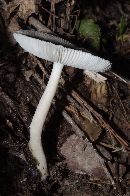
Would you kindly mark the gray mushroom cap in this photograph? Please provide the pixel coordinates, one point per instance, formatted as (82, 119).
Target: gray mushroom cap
(55, 49)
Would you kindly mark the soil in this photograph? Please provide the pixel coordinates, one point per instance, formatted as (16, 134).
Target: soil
(100, 112)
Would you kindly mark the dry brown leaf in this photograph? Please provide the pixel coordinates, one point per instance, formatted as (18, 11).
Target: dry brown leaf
(82, 158)
(9, 8)
(13, 26)
(26, 8)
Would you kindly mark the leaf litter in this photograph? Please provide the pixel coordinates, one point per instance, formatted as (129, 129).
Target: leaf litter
(107, 104)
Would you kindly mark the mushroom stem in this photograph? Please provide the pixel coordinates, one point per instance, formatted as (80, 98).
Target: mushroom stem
(39, 118)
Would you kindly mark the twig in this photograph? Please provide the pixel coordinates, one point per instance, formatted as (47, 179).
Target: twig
(50, 13)
(38, 25)
(106, 145)
(119, 77)
(72, 30)
(120, 103)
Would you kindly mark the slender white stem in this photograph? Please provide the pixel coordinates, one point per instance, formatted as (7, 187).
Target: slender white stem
(39, 118)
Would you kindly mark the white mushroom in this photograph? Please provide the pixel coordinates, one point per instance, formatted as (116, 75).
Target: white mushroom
(60, 52)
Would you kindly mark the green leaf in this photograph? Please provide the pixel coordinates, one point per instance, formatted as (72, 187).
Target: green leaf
(122, 26)
(90, 31)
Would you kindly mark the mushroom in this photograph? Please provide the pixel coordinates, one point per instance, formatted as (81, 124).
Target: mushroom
(60, 52)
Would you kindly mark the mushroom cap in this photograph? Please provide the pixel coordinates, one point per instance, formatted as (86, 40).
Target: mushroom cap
(55, 49)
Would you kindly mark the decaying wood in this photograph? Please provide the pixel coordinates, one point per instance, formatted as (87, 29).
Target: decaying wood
(18, 103)
(100, 120)
(38, 25)
(77, 130)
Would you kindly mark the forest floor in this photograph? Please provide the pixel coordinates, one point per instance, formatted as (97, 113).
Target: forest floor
(86, 137)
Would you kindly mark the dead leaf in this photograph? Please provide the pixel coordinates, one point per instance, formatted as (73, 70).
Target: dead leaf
(9, 8)
(13, 26)
(26, 8)
(82, 158)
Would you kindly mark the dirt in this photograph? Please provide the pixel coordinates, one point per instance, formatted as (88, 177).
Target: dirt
(98, 112)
